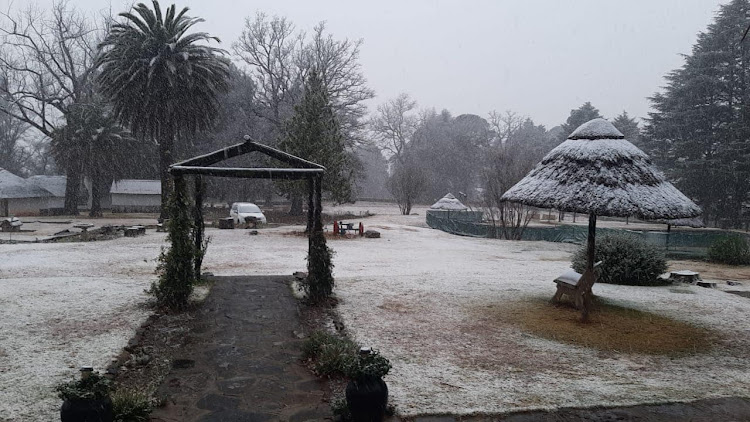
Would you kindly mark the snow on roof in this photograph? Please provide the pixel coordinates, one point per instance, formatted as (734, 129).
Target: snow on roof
(12, 186)
(136, 187)
(596, 129)
(449, 202)
(606, 176)
(53, 184)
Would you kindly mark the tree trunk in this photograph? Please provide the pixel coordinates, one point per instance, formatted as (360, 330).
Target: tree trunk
(590, 254)
(72, 188)
(165, 160)
(97, 192)
(296, 208)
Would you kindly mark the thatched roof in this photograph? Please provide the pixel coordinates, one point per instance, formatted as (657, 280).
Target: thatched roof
(13, 187)
(450, 203)
(597, 171)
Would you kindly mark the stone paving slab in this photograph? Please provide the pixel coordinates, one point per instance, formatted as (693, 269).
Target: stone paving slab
(241, 361)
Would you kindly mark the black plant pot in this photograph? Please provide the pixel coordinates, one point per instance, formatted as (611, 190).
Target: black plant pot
(87, 411)
(367, 399)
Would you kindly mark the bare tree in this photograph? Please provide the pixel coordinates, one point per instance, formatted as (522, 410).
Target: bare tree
(48, 62)
(13, 156)
(517, 147)
(279, 58)
(393, 126)
(271, 48)
(407, 184)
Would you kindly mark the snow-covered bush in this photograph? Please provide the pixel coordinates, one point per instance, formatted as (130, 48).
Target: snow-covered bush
(626, 260)
(732, 250)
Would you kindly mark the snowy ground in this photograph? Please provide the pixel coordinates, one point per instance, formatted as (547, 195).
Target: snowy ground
(419, 295)
(424, 298)
(63, 306)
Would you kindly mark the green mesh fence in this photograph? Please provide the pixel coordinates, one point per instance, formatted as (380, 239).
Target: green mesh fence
(678, 243)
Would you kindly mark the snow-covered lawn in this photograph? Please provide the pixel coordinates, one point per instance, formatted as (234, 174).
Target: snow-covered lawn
(427, 299)
(63, 306)
(419, 295)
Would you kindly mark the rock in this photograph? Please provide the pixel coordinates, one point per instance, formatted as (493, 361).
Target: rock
(253, 232)
(733, 283)
(708, 284)
(372, 234)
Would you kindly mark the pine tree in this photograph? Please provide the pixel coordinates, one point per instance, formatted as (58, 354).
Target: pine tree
(628, 126)
(577, 117)
(700, 129)
(314, 133)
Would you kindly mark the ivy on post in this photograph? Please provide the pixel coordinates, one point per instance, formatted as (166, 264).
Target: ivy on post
(176, 264)
(200, 242)
(319, 284)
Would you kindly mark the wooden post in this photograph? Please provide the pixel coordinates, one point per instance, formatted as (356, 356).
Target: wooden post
(199, 226)
(310, 204)
(590, 252)
(318, 200)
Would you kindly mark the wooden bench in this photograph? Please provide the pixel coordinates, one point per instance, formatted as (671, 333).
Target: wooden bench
(576, 286)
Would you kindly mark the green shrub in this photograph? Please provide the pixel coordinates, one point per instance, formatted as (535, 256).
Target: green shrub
(131, 406)
(330, 353)
(319, 282)
(368, 365)
(626, 260)
(94, 387)
(732, 250)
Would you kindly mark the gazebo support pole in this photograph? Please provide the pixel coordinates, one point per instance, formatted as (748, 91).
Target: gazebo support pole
(310, 204)
(590, 248)
(199, 226)
(318, 200)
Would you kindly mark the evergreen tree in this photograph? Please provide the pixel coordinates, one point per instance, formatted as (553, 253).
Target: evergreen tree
(700, 129)
(628, 126)
(313, 133)
(577, 117)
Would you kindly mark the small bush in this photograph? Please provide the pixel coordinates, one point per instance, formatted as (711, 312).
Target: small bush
(95, 387)
(332, 355)
(627, 260)
(131, 406)
(731, 250)
(371, 365)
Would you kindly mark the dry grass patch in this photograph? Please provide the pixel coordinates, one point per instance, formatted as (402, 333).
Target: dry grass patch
(611, 328)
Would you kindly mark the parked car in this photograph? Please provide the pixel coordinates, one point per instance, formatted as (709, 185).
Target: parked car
(240, 210)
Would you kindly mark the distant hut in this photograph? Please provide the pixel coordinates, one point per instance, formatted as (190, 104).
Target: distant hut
(20, 197)
(450, 207)
(55, 185)
(136, 195)
(596, 171)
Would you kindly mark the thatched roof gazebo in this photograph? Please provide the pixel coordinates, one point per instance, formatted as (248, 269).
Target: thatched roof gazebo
(598, 172)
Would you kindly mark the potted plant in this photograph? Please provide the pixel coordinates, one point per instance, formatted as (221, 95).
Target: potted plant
(366, 392)
(87, 399)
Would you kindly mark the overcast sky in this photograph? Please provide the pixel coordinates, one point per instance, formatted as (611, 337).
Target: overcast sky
(540, 58)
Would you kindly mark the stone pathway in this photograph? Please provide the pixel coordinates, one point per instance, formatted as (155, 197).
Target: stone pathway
(241, 359)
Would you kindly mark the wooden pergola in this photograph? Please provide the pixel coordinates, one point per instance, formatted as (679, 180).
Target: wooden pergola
(299, 169)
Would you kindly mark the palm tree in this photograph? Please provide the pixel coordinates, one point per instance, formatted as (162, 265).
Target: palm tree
(163, 85)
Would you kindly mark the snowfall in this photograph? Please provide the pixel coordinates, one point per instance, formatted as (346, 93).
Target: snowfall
(416, 294)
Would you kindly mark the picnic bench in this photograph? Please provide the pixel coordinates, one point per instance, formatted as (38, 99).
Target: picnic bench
(341, 228)
(576, 286)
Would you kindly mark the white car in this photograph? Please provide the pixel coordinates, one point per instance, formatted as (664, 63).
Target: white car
(240, 210)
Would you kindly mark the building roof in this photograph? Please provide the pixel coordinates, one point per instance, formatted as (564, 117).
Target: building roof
(600, 172)
(136, 187)
(12, 186)
(449, 202)
(52, 184)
